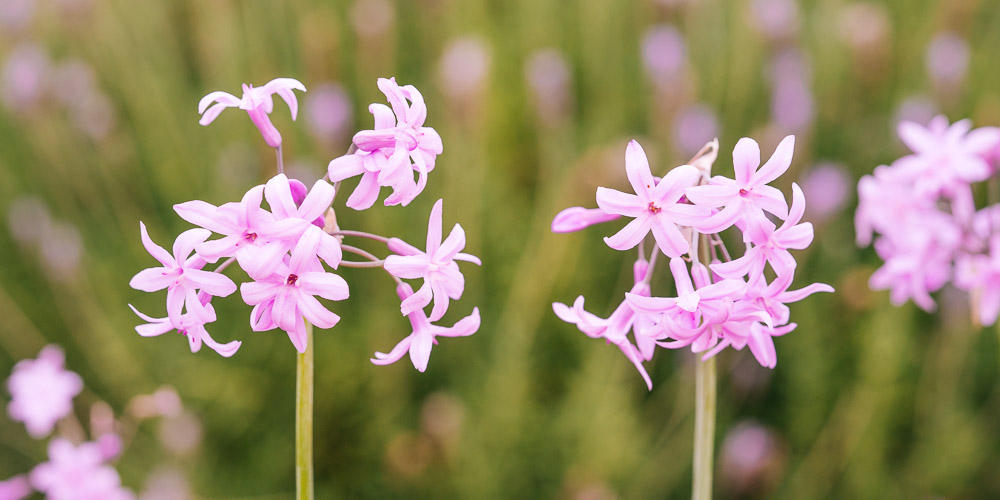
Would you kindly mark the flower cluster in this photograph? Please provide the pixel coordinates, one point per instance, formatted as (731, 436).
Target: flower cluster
(42, 393)
(719, 301)
(289, 248)
(923, 209)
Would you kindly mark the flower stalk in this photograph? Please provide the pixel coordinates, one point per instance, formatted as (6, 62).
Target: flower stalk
(304, 420)
(704, 429)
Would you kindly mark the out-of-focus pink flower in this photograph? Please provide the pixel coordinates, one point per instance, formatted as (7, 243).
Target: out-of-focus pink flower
(655, 205)
(664, 54)
(947, 59)
(16, 14)
(42, 391)
(775, 19)
(61, 250)
(748, 196)
(748, 451)
(947, 158)
(693, 127)
(181, 434)
(384, 154)
(283, 298)
(77, 473)
(864, 26)
(110, 445)
(549, 77)
(372, 18)
(827, 187)
(980, 274)
(436, 266)
(15, 488)
(464, 67)
(257, 102)
(25, 77)
(328, 112)
(181, 275)
(424, 336)
(166, 483)
(916, 109)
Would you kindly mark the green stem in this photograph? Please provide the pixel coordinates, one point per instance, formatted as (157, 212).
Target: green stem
(304, 420)
(704, 429)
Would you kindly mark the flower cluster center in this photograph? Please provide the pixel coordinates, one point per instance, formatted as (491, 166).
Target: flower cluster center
(291, 279)
(653, 208)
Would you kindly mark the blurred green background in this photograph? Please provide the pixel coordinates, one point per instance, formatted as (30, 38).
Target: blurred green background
(535, 101)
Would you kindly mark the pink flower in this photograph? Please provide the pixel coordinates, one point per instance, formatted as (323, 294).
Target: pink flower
(946, 157)
(77, 473)
(616, 327)
(384, 154)
(436, 266)
(253, 235)
(42, 391)
(189, 325)
(257, 102)
(424, 336)
(15, 488)
(284, 297)
(655, 207)
(771, 245)
(181, 275)
(981, 275)
(748, 196)
(285, 204)
(577, 218)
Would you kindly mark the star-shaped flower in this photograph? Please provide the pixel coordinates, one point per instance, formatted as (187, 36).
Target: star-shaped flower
(257, 102)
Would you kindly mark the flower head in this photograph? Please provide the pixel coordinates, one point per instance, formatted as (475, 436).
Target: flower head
(384, 154)
(77, 473)
(257, 102)
(424, 335)
(42, 391)
(436, 266)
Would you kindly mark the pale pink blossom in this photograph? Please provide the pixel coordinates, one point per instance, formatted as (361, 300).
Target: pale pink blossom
(747, 197)
(15, 488)
(577, 218)
(770, 245)
(947, 158)
(980, 274)
(257, 102)
(656, 205)
(253, 235)
(615, 329)
(42, 391)
(284, 297)
(384, 154)
(77, 473)
(437, 267)
(190, 325)
(424, 335)
(182, 275)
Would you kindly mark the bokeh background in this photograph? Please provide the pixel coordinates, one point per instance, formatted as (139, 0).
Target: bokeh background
(535, 101)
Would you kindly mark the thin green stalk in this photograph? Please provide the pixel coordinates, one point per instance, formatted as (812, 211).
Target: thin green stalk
(304, 420)
(704, 429)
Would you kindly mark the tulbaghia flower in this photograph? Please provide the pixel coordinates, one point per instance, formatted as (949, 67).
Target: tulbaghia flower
(771, 245)
(616, 327)
(257, 102)
(253, 235)
(15, 488)
(980, 274)
(436, 266)
(77, 473)
(947, 158)
(577, 218)
(181, 275)
(42, 391)
(286, 203)
(424, 336)
(384, 154)
(283, 298)
(655, 207)
(748, 196)
(189, 325)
